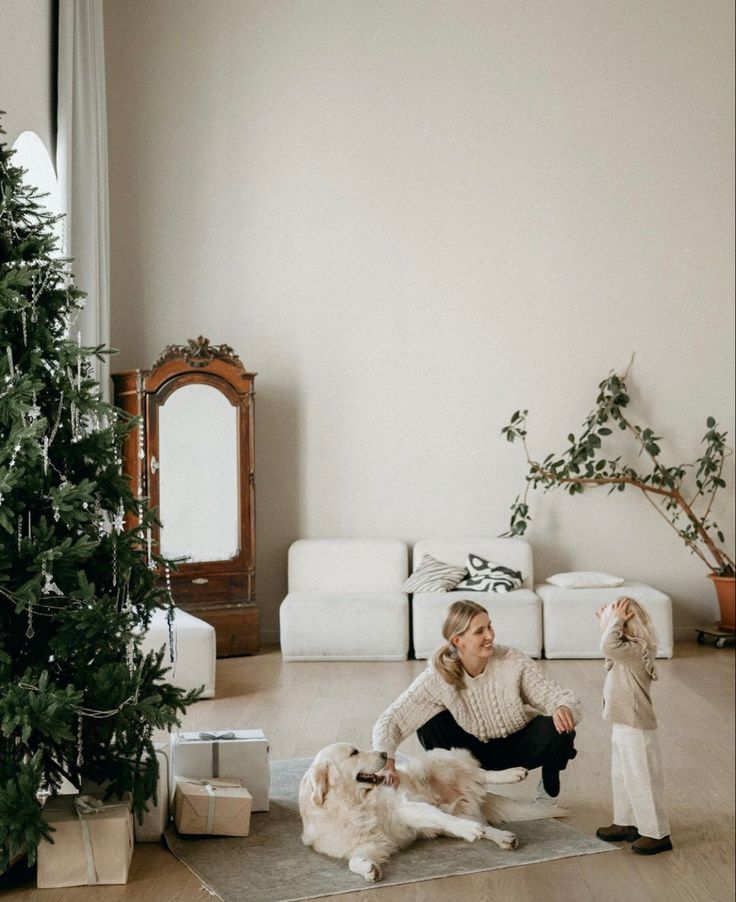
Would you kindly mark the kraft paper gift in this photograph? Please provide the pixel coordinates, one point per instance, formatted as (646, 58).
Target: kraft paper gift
(241, 754)
(217, 807)
(93, 842)
(157, 816)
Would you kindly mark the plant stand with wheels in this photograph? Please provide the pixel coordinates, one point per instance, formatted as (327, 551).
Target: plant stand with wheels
(720, 636)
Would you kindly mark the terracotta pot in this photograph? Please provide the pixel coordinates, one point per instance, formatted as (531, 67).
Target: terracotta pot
(726, 592)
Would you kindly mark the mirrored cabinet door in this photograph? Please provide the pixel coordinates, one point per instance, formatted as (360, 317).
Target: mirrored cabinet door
(194, 458)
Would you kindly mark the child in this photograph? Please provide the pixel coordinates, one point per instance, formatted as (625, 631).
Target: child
(630, 645)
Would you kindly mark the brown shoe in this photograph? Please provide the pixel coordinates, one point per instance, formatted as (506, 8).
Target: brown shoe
(615, 833)
(645, 845)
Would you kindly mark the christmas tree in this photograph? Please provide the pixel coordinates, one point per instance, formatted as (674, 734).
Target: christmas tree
(77, 697)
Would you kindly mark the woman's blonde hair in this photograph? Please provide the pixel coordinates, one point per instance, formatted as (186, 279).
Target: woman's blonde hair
(446, 661)
(640, 630)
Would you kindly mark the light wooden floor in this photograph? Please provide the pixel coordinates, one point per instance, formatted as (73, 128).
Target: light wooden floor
(302, 707)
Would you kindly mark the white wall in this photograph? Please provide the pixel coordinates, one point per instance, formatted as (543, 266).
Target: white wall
(28, 69)
(414, 217)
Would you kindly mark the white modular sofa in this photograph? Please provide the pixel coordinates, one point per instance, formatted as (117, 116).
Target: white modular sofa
(516, 616)
(571, 628)
(345, 601)
(195, 647)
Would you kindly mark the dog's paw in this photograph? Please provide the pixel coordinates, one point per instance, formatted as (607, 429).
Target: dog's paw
(507, 840)
(367, 869)
(517, 774)
(473, 831)
(373, 874)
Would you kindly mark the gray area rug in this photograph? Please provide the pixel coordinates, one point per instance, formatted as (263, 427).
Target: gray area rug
(272, 865)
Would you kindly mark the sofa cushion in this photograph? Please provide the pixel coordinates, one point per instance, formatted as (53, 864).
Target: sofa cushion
(488, 576)
(353, 565)
(344, 626)
(434, 576)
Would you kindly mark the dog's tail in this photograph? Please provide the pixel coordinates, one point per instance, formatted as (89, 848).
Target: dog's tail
(498, 809)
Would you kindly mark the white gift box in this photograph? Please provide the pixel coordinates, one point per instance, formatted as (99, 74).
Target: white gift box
(157, 816)
(239, 754)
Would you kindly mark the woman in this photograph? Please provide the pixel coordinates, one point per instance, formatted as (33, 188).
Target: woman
(473, 695)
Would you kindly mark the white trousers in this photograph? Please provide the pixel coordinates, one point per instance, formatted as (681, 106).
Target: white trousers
(636, 775)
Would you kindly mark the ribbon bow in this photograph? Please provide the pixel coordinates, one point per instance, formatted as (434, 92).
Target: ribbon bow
(216, 737)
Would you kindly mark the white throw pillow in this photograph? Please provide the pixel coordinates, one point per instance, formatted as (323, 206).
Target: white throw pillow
(584, 579)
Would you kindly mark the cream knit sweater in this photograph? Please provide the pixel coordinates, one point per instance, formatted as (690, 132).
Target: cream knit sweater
(492, 704)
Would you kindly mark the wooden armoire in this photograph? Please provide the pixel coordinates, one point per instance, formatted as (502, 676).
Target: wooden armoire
(193, 457)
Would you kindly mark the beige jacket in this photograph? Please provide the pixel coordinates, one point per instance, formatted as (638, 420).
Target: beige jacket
(627, 689)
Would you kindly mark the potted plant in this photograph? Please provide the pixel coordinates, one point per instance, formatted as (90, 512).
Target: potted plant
(683, 494)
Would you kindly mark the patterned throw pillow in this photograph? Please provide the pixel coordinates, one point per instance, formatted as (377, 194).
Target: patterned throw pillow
(485, 576)
(434, 576)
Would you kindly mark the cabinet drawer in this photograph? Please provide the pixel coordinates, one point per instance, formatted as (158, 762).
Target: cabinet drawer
(220, 587)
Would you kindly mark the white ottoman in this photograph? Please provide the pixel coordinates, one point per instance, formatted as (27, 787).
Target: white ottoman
(571, 629)
(516, 616)
(195, 650)
(345, 601)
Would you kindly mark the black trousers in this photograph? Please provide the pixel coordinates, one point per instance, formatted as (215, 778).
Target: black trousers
(538, 744)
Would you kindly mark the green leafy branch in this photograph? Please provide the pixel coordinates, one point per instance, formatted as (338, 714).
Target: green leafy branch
(683, 494)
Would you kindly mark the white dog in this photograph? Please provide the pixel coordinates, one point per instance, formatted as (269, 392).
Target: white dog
(348, 813)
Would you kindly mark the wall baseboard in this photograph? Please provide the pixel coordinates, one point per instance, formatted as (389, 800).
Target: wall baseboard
(680, 633)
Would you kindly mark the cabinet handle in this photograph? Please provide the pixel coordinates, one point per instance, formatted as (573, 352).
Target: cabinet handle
(200, 581)
(155, 466)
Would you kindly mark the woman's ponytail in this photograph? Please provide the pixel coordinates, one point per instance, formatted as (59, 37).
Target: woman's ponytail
(448, 666)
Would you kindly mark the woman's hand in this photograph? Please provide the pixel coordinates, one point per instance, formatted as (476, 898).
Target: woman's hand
(563, 719)
(390, 777)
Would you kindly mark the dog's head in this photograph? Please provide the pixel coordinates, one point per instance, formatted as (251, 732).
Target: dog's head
(341, 765)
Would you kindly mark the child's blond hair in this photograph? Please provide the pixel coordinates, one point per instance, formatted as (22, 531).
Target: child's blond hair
(639, 629)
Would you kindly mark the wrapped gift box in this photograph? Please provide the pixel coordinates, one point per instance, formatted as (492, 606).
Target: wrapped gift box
(220, 807)
(157, 816)
(93, 842)
(241, 754)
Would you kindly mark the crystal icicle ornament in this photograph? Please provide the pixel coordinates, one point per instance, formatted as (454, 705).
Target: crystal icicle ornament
(20, 530)
(80, 755)
(11, 368)
(23, 321)
(30, 632)
(79, 361)
(34, 411)
(170, 616)
(119, 518)
(45, 454)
